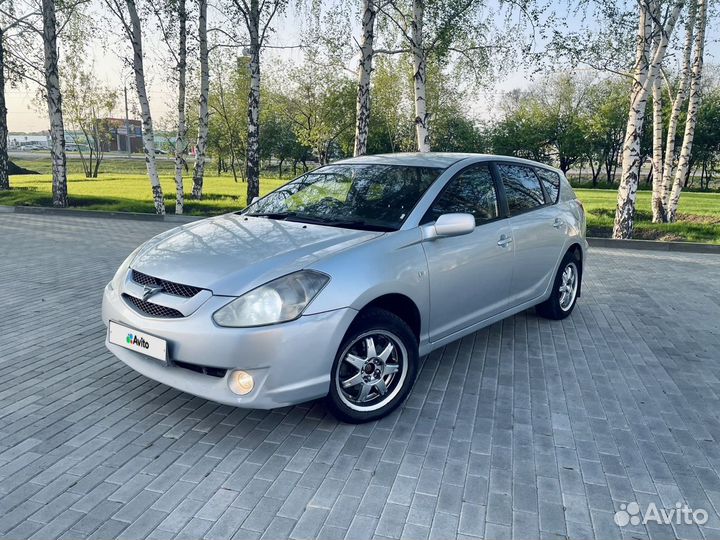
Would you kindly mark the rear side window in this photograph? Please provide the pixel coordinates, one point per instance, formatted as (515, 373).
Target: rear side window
(551, 183)
(522, 188)
(472, 191)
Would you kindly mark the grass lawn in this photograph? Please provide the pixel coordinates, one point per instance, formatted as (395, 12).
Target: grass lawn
(123, 186)
(698, 219)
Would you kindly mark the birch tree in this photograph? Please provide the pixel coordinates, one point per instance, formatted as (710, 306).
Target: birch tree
(257, 15)
(181, 137)
(417, 50)
(677, 101)
(4, 161)
(172, 20)
(21, 59)
(132, 27)
(203, 109)
(647, 66)
(657, 135)
(451, 32)
(328, 41)
(53, 96)
(412, 27)
(364, 71)
(47, 78)
(692, 114)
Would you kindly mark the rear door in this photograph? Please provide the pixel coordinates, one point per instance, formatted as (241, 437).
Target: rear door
(470, 274)
(537, 231)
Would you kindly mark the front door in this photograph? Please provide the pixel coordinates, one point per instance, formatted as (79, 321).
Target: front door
(470, 274)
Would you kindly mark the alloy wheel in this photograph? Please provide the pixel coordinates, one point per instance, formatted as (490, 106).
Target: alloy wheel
(371, 370)
(568, 286)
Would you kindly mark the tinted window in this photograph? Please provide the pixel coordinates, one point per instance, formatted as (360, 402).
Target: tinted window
(471, 192)
(522, 188)
(551, 183)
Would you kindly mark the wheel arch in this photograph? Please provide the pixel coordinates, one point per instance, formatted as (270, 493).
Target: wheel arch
(401, 305)
(577, 251)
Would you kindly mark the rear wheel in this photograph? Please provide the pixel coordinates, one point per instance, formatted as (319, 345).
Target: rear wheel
(374, 369)
(565, 289)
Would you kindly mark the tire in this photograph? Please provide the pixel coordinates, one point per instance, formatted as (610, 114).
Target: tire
(560, 305)
(369, 381)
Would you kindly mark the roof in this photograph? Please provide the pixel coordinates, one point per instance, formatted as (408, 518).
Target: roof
(435, 159)
(416, 159)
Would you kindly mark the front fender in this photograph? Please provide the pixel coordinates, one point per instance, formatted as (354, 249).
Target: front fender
(393, 264)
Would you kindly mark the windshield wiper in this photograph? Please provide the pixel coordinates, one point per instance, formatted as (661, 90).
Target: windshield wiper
(363, 225)
(348, 223)
(328, 221)
(272, 215)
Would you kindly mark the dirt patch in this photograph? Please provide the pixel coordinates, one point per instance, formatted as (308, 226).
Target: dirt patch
(699, 220)
(599, 232)
(638, 234)
(650, 234)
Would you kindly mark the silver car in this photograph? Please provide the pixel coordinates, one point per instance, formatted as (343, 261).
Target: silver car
(337, 283)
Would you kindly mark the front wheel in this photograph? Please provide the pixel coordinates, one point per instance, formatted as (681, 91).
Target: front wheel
(374, 369)
(565, 289)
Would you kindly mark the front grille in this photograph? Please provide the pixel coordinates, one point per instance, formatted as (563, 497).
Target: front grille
(152, 310)
(206, 370)
(176, 289)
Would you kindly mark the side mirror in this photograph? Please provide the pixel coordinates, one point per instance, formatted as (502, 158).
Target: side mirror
(449, 225)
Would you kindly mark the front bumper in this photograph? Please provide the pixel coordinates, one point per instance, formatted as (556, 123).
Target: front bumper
(289, 362)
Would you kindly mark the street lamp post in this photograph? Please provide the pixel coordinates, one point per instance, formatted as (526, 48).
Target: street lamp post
(127, 122)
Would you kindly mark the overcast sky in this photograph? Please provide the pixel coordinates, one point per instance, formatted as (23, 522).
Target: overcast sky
(26, 114)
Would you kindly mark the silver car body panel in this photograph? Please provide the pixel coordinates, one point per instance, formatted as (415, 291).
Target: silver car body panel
(476, 260)
(459, 285)
(232, 254)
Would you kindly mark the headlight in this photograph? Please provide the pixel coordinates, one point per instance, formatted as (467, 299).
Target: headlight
(281, 300)
(120, 274)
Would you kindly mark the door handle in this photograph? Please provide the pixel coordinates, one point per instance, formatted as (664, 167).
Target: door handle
(558, 223)
(504, 241)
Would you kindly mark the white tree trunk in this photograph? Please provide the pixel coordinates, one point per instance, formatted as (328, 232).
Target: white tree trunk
(362, 117)
(180, 140)
(677, 105)
(657, 138)
(693, 107)
(644, 77)
(54, 105)
(147, 123)
(253, 141)
(203, 107)
(4, 161)
(657, 152)
(422, 118)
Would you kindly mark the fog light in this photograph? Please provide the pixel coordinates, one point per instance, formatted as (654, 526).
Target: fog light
(241, 382)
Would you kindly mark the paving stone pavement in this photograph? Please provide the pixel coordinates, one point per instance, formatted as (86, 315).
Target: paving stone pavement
(527, 429)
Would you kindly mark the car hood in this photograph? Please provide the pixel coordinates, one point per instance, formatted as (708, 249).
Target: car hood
(232, 254)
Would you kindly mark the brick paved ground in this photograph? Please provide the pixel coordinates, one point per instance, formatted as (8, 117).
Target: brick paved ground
(529, 428)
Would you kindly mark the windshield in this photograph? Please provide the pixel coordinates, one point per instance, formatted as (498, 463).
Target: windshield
(368, 196)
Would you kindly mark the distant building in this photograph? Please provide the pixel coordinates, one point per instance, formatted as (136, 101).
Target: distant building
(117, 138)
(24, 141)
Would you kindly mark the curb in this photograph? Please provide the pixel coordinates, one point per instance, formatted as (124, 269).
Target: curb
(42, 210)
(641, 245)
(646, 245)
